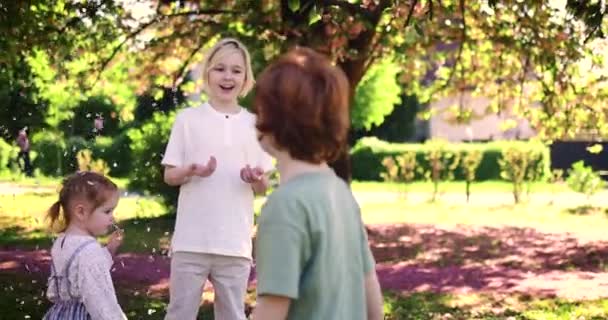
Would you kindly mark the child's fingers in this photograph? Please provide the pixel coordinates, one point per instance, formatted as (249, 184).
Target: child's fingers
(212, 162)
(247, 174)
(258, 172)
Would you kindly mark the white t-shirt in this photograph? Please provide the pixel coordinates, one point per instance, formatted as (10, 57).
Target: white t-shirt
(215, 214)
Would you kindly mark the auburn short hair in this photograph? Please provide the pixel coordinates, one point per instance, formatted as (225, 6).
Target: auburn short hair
(302, 100)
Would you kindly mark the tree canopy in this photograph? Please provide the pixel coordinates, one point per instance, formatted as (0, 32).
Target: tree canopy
(541, 60)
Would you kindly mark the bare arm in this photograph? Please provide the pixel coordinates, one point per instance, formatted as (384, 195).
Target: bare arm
(176, 176)
(373, 297)
(271, 308)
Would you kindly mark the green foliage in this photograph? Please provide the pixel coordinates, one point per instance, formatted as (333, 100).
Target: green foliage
(595, 149)
(62, 96)
(116, 152)
(421, 305)
(391, 173)
(148, 143)
(470, 163)
(376, 95)
(368, 153)
(85, 161)
(56, 155)
(51, 149)
(520, 165)
(8, 153)
(442, 163)
(407, 166)
(81, 124)
(583, 179)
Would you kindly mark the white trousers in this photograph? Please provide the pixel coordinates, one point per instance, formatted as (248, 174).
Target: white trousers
(190, 271)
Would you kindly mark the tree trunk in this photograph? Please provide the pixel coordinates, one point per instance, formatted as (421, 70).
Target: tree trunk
(354, 67)
(354, 70)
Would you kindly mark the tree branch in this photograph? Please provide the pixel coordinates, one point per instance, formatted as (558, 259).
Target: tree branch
(116, 49)
(410, 14)
(591, 34)
(179, 76)
(460, 47)
(374, 48)
(199, 12)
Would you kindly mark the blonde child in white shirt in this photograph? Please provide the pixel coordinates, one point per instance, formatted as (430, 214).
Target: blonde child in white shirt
(80, 285)
(214, 157)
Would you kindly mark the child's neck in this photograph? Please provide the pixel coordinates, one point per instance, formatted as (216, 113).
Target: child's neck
(224, 106)
(290, 168)
(75, 229)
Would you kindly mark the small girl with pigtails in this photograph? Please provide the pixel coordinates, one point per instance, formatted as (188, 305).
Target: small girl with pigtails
(80, 285)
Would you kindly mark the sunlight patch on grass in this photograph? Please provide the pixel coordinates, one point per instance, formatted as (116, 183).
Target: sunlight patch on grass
(541, 217)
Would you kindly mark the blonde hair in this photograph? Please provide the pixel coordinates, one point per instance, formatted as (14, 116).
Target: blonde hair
(221, 49)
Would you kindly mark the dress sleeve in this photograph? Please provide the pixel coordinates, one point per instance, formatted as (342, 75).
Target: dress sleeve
(96, 287)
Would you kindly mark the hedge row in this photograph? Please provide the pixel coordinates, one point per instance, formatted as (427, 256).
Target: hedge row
(367, 155)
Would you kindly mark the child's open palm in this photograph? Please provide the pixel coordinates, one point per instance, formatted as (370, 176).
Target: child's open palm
(251, 175)
(204, 170)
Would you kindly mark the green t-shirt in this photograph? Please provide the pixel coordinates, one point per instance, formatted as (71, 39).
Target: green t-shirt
(312, 247)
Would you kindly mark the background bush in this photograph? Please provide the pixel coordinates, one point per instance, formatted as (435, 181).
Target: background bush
(116, 152)
(56, 154)
(8, 153)
(368, 153)
(148, 144)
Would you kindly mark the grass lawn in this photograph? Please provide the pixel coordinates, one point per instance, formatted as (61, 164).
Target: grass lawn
(544, 218)
(23, 223)
(23, 298)
(148, 230)
(43, 181)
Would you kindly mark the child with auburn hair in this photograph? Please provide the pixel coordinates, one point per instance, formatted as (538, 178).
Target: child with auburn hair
(312, 256)
(80, 285)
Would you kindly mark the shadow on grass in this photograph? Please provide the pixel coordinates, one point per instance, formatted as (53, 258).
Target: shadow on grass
(23, 297)
(13, 234)
(142, 235)
(512, 247)
(433, 306)
(587, 210)
(147, 235)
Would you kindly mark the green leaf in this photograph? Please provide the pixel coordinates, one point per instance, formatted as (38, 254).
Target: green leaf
(595, 149)
(294, 5)
(418, 29)
(314, 16)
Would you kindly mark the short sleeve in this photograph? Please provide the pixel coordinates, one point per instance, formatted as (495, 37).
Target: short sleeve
(282, 250)
(174, 152)
(369, 264)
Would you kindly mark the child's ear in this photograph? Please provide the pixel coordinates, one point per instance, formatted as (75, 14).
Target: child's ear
(80, 211)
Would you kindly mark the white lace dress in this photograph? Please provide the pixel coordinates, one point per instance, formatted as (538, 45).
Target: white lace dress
(86, 280)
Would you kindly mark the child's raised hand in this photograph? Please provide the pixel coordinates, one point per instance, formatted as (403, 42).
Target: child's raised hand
(251, 175)
(115, 240)
(204, 170)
